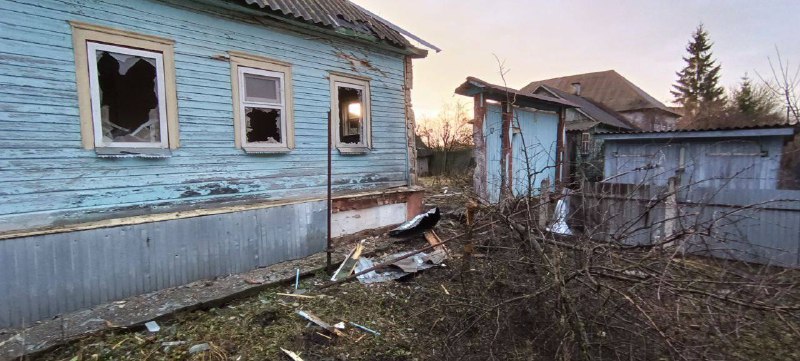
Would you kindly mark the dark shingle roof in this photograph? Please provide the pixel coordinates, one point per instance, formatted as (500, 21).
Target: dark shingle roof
(337, 15)
(605, 87)
(474, 86)
(595, 111)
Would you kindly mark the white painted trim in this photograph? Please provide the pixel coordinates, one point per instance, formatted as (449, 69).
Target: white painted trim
(366, 124)
(94, 86)
(352, 221)
(260, 146)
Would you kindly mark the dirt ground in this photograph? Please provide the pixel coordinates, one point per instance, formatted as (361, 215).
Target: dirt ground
(482, 303)
(256, 328)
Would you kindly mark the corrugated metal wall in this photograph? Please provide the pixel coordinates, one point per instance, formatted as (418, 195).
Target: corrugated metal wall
(42, 276)
(760, 225)
(732, 163)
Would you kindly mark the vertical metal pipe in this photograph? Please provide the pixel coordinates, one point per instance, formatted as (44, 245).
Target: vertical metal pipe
(328, 249)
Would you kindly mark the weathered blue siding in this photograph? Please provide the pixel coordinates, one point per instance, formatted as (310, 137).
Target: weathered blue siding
(493, 130)
(45, 175)
(715, 163)
(534, 150)
(535, 140)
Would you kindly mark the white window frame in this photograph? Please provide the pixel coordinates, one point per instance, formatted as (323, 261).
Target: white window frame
(94, 85)
(243, 102)
(366, 124)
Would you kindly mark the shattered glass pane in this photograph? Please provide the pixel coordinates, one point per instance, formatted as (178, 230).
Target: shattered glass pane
(351, 115)
(128, 98)
(259, 88)
(263, 125)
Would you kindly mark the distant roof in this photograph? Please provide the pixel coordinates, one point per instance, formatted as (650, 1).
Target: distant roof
(594, 110)
(422, 149)
(340, 15)
(473, 86)
(719, 132)
(606, 87)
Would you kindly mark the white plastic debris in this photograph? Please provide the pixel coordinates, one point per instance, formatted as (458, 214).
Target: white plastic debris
(199, 348)
(152, 326)
(339, 325)
(560, 225)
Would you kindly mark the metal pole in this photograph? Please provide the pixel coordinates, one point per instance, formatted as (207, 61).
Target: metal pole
(328, 249)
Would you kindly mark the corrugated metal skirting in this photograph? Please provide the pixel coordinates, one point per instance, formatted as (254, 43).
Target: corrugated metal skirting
(43, 276)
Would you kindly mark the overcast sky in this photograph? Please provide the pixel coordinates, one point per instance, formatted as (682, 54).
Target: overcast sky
(642, 40)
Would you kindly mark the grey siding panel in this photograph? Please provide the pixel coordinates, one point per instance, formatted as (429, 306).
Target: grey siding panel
(47, 275)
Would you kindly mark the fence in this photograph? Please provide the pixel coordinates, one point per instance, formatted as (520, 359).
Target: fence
(450, 162)
(760, 226)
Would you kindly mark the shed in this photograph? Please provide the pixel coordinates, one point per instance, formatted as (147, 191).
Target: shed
(736, 158)
(518, 139)
(424, 155)
(147, 144)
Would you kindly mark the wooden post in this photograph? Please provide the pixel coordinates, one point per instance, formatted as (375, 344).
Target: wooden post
(670, 210)
(544, 201)
(560, 147)
(411, 133)
(505, 155)
(479, 177)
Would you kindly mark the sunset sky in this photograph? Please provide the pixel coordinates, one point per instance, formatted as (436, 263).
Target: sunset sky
(642, 40)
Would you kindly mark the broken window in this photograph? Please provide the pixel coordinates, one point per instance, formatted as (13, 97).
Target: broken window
(127, 95)
(351, 107)
(262, 104)
(586, 143)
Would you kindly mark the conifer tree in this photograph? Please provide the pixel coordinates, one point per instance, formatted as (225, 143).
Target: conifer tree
(753, 100)
(697, 88)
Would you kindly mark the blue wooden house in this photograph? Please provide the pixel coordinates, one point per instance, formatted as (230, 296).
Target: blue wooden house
(146, 144)
(518, 139)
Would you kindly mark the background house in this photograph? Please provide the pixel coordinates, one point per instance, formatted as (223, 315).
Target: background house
(424, 155)
(518, 139)
(147, 144)
(583, 156)
(617, 93)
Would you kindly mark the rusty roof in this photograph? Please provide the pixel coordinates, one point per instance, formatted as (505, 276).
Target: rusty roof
(339, 15)
(605, 87)
(473, 86)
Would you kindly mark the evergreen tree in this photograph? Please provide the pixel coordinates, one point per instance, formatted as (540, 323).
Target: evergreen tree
(753, 101)
(697, 88)
(744, 98)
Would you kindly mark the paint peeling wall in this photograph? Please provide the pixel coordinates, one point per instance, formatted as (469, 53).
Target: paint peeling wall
(534, 151)
(535, 140)
(48, 178)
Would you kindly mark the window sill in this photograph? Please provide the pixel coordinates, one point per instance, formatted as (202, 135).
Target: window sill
(259, 150)
(112, 152)
(353, 150)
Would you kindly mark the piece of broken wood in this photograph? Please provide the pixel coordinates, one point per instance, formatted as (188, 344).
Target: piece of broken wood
(294, 295)
(349, 263)
(319, 322)
(291, 354)
(434, 240)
